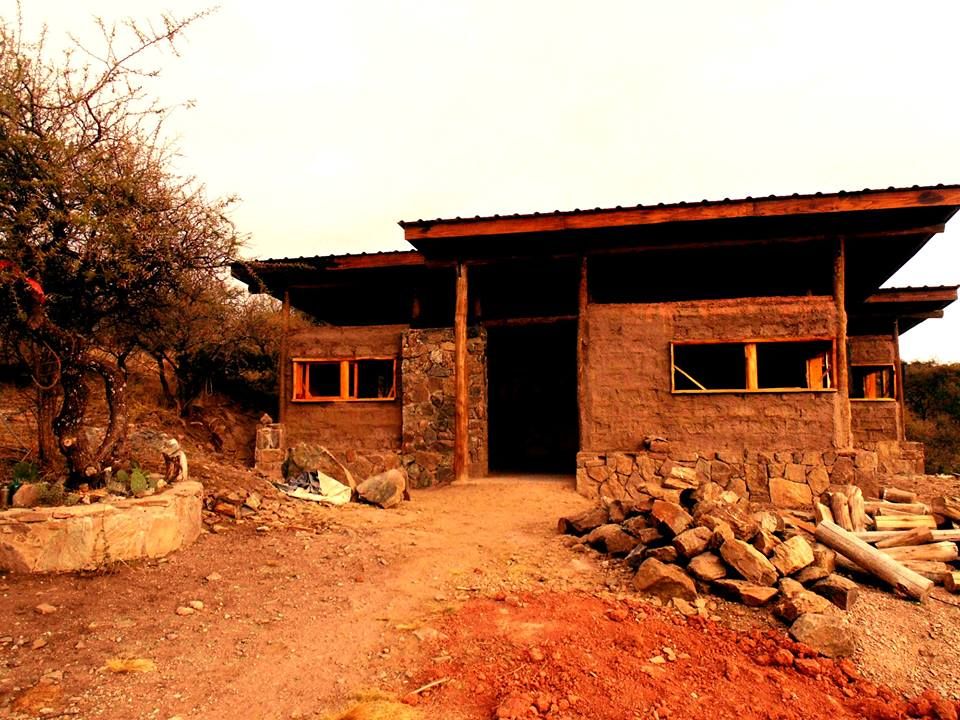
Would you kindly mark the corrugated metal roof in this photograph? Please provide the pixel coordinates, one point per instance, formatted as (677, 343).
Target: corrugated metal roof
(702, 203)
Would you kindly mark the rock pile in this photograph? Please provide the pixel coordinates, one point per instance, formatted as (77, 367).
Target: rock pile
(707, 539)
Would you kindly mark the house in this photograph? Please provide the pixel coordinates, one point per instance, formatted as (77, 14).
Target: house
(746, 341)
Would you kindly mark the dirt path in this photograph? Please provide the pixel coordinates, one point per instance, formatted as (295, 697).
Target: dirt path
(297, 621)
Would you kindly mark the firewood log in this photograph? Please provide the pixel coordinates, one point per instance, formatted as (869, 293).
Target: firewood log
(949, 507)
(881, 507)
(941, 552)
(841, 510)
(935, 571)
(821, 512)
(904, 522)
(874, 561)
(897, 495)
(952, 582)
(858, 516)
(915, 536)
(873, 536)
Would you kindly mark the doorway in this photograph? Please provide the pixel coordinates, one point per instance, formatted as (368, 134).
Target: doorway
(532, 386)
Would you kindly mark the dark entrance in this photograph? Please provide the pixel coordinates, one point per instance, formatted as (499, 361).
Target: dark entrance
(532, 376)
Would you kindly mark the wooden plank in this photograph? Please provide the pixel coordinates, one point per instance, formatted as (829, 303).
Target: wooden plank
(843, 434)
(686, 212)
(750, 352)
(942, 294)
(461, 443)
(873, 536)
(874, 561)
(904, 522)
(583, 332)
(521, 321)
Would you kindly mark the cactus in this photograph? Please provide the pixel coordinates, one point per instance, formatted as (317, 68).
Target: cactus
(138, 481)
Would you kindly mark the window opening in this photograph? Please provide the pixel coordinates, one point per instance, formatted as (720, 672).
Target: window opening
(331, 380)
(872, 382)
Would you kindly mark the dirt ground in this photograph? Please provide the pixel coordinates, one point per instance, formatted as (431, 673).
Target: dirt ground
(468, 584)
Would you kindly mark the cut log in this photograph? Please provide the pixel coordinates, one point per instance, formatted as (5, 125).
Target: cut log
(872, 536)
(952, 582)
(881, 507)
(949, 507)
(936, 571)
(841, 510)
(904, 522)
(940, 552)
(897, 495)
(858, 515)
(916, 536)
(875, 561)
(841, 591)
(821, 512)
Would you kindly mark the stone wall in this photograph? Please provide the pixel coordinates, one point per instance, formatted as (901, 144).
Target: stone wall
(627, 394)
(86, 537)
(270, 450)
(429, 390)
(785, 478)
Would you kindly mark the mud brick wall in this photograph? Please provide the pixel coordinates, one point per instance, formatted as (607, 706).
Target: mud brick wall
(429, 392)
(873, 420)
(628, 384)
(363, 434)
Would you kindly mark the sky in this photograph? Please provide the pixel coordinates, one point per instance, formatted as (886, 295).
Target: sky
(331, 121)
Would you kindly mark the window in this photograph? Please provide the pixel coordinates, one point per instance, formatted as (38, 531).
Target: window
(872, 382)
(753, 366)
(332, 380)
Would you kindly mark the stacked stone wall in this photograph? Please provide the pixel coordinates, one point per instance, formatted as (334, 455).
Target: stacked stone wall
(784, 478)
(429, 404)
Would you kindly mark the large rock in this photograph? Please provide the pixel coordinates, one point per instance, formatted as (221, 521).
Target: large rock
(827, 634)
(787, 494)
(793, 605)
(842, 592)
(792, 555)
(711, 515)
(745, 592)
(766, 542)
(671, 516)
(584, 522)
(387, 489)
(692, 542)
(26, 496)
(748, 562)
(664, 581)
(611, 539)
(707, 567)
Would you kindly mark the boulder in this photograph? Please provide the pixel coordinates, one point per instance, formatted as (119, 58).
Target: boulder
(769, 521)
(827, 634)
(665, 554)
(792, 606)
(611, 539)
(766, 542)
(692, 542)
(648, 536)
(26, 496)
(792, 555)
(745, 592)
(707, 567)
(385, 490)
(664, 581)
(810, 575)
(839, 590)
(748, 562)
(712, 514)
(671, 516)
(584, 522)
(787, 494)
(635, 524)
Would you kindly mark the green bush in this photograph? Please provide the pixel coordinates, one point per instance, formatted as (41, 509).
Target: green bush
(932, 393)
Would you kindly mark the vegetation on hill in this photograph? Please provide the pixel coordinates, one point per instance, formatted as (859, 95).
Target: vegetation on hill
(932, 395)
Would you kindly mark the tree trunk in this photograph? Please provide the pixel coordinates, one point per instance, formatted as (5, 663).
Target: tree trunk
(115, 389)
(168, 398)
(68, 425)
(49, 453)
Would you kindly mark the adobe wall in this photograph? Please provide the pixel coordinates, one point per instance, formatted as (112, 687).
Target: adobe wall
(873, 420)
(627, 393)
(429, 392)
(363, 434)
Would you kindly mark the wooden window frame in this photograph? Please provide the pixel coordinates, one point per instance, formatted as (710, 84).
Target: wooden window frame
(893, 381)
(750, 362)
(299, 367)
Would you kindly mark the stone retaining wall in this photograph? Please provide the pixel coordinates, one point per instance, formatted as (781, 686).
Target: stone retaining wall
(86, 537)
(785, 478)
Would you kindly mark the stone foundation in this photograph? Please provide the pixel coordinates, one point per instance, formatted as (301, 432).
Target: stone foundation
(429, 400)
(86, 537)
(785, 478)
(270, 450)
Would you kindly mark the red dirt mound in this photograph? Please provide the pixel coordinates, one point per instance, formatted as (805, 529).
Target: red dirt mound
(570, 656)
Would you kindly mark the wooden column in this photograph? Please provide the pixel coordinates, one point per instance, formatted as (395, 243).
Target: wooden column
(750, 352)
(582, 344)
(843, 435)
(284, 352)
(461, 444)
(898, 381)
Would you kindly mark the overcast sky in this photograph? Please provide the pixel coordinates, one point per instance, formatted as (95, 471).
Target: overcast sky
(333, 120)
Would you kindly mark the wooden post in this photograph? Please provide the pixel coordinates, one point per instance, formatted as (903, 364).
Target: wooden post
(750, 351)
(582, 341)
(461, 443)
(843, 434)
(284, 352)
(898, 382)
